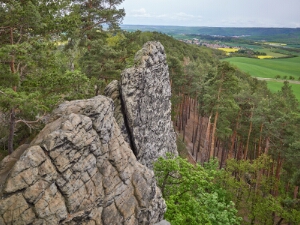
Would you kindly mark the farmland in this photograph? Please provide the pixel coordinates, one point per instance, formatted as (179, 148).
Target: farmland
(287, 68)
(271, 53)
(229, 50)
(268, 68)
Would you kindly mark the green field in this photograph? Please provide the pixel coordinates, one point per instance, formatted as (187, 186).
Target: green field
(271, 53)
(253, 47)
(268, 68)
(275, 86)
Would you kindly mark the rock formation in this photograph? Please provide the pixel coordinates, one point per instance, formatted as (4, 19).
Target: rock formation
(80, 169)
(145, 94)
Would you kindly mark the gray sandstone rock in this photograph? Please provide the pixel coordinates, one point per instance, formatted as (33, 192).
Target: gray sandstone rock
(163, 222)
(146, 93)
(79, 170)
(112, 90)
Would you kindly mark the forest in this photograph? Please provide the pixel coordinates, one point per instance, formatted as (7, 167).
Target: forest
(239, 143)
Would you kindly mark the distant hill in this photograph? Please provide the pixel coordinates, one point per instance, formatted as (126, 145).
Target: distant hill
(288, 35)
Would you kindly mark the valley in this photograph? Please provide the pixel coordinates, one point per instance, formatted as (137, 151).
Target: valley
(271, 53)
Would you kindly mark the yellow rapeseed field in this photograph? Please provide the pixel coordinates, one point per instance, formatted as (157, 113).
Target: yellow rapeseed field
(228, 50)
(265, 57)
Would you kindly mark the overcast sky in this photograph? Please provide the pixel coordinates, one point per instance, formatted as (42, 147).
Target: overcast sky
(216, 13)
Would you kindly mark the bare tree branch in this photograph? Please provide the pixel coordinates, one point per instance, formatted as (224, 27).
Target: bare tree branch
(31, 124)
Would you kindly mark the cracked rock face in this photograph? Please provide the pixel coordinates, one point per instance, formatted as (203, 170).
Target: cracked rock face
(79, 170)
(112, 90)
(146, 93)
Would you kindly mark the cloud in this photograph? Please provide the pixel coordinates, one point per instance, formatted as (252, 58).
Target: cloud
(139, 13)
(186, 17)
(181, 16)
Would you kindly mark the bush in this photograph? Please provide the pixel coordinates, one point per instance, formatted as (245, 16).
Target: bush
(277, 77)
(191, 196)
(292, 78)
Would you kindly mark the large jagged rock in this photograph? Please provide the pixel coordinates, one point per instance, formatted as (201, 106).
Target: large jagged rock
(146, 93)
(79, 170)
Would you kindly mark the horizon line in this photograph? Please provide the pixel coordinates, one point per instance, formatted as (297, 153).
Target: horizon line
(209, 26)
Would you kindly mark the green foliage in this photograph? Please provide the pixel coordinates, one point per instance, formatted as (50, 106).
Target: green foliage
(191, 195)
(35, 74)
(253, 191)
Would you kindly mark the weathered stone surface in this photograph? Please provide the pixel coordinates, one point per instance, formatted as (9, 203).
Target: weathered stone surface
(163, 222)
(80, 170)
(112, 90)
(8, 162)
(146, 92)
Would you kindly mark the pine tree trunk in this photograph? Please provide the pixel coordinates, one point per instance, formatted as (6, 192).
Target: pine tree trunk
(194, 131)
(184, 118)
(195, 106)
(212, 147)
(207, 136)
(195, 135)
(233, 137)
(182, 112)
(296, 191)
(260, 140)
(218, 149)
(189, 107)
(223, 154)
(277, 176)
(180, 117)
(236, 149)
(199, 140)
(267, 145)
(248, 137)
(240, 150)
(280, 221)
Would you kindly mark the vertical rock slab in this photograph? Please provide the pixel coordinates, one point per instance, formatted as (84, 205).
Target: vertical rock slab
(146, 93)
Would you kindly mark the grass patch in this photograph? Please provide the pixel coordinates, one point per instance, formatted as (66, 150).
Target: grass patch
(269, 52)
(269, 68)
(275, 86)
(247, 46)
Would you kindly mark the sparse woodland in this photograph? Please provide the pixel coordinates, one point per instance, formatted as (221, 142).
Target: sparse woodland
(245, 139)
